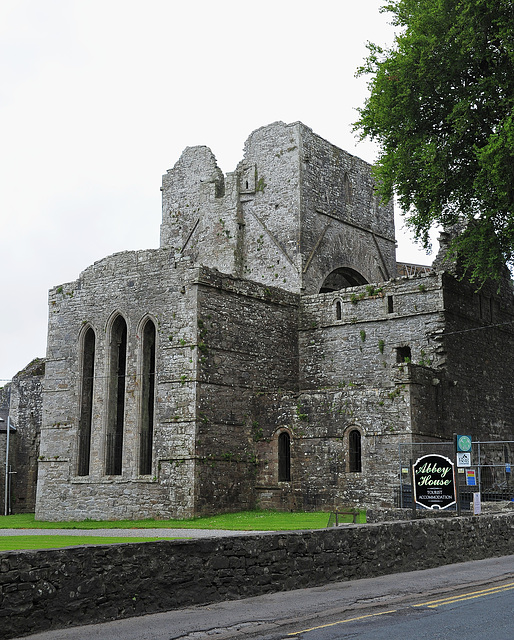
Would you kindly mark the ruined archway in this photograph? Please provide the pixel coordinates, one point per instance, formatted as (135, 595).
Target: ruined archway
(341, 279)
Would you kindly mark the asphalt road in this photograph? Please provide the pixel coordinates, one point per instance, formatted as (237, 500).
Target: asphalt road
(396, 606)
(484, 613)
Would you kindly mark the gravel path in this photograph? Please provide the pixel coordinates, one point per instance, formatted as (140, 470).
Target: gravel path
(132, 533)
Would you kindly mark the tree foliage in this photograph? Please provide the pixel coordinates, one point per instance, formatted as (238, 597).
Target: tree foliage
(441, 107)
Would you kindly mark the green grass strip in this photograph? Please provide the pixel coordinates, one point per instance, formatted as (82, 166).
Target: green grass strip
(14, 543)
(242, 521)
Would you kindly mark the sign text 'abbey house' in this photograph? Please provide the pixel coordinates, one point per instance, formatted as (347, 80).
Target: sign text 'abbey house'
(434, 482)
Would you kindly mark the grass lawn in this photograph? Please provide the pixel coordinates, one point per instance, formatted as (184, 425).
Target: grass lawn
(12, 543)
(242, 521)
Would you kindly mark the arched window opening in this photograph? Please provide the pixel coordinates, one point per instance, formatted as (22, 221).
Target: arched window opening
(354, 443)
(147, 399)
(116, 407)
(86, 402)
(341, 279)
(284, 457)
(338, 310)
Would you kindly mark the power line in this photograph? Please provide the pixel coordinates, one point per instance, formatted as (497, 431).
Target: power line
(487, 326)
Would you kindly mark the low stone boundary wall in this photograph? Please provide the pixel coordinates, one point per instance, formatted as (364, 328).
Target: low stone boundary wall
(52, 589)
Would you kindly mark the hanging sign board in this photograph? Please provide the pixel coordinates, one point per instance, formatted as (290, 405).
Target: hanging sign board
(434, 482)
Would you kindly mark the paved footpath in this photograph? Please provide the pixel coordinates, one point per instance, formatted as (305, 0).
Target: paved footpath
(130, 533)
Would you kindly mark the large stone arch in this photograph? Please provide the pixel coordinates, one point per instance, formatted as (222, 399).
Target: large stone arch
(341, 278)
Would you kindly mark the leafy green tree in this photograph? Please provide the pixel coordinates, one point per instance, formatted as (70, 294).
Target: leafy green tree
(441, 107)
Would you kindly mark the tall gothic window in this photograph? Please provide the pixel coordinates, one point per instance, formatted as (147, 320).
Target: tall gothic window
(116, 406)
(86, 402)
(147, 399)
(284, 457)
(354, 442)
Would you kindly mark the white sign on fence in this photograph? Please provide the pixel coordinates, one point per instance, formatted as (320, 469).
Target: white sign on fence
(464, 459)
(477, 507)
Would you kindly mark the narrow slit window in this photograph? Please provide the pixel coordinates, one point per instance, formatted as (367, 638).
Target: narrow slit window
(354, 442)
(338, 310)
(86, 402)
(348, 191)
(284, 457)
(147, 399)
(390, 304)
(116, 407)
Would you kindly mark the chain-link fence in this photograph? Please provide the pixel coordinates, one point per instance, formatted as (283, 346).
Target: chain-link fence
(489, 472)
(493, 463)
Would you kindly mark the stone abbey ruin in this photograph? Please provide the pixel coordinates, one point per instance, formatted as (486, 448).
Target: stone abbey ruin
(270, 353)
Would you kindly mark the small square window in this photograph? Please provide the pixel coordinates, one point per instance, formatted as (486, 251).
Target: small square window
(403, 354)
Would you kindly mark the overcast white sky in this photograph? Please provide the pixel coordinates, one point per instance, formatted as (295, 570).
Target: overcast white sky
(98, 98)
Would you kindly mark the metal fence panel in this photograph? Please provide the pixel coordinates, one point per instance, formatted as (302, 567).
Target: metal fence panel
(491, 461)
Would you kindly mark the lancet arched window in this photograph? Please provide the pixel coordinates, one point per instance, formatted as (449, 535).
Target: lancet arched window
(284, 457)
(116, 406)
(355, 451)
(86, 402)
(147, 398)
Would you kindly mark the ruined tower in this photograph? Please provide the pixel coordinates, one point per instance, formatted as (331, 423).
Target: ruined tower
(298, 213)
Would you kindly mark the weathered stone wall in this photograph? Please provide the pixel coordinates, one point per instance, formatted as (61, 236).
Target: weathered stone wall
(479, 348)
(350, 378)
(248, 345)
(56, 588)
(295, 209)
(4, 412)
(376, 320)
(343, 223)
(220, 340)
(25, 411)
(270, 203)
(21, 399)
(137, 285)
(201, 217)
(310, 210)
(4, 401)
(455, 380)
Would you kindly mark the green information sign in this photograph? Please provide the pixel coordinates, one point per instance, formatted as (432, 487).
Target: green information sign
(463, 443)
